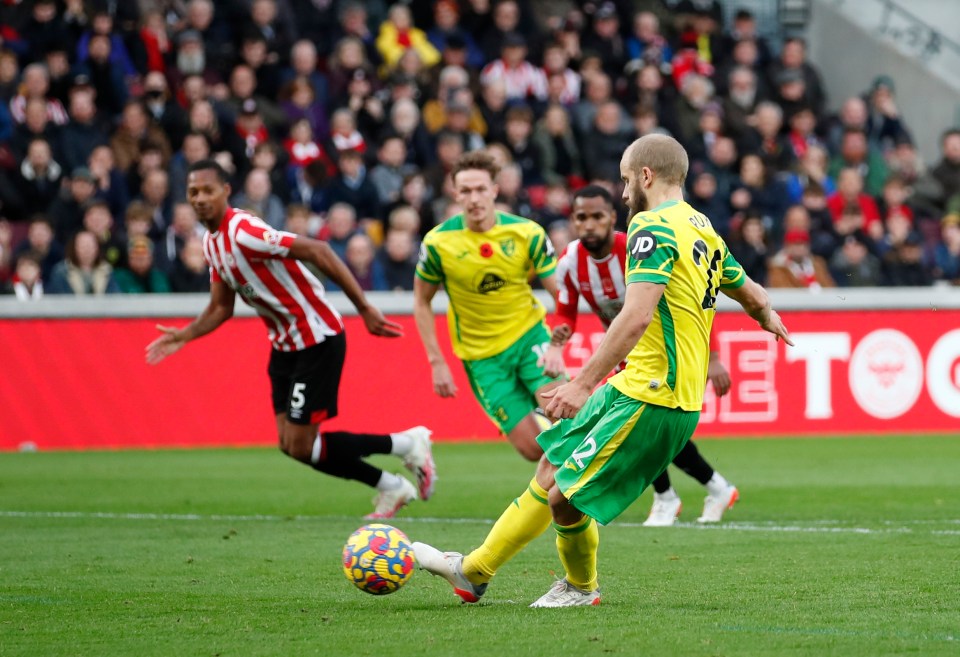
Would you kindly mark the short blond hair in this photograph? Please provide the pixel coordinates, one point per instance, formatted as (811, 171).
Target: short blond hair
(661, 154)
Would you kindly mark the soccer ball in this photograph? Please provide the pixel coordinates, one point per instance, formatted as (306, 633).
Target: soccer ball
(378, 559)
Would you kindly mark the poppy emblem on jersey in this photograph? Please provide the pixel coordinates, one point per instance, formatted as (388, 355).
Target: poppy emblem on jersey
(642, 244)
(271, 237)
(486, 250)
(508, 246)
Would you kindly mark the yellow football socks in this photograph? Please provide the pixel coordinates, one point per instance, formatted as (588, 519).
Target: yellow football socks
(577, 545)
(527, 517)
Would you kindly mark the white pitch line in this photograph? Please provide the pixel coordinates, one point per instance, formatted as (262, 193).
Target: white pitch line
(815, 527)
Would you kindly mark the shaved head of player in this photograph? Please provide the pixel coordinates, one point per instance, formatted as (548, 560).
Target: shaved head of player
(593, 218)
(208, 192)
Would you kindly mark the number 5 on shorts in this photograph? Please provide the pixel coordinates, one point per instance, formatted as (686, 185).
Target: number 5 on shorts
(297, 400)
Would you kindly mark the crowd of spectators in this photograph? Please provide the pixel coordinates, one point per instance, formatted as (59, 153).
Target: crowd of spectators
(341, 120)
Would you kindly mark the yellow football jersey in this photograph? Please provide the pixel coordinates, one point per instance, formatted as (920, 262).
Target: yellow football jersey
(487, 277)
(676, 246)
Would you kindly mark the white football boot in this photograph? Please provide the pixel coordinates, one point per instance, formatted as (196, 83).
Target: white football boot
(419, 460)
(565, 594)
(666, 507)
(715, 505)
(388, 502)
(449, 566)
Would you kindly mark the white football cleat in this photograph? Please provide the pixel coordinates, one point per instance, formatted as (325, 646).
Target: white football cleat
(388, 502)
(449, 566)
(715, 505)
(420, 460)
(565, 594)
(666, 507)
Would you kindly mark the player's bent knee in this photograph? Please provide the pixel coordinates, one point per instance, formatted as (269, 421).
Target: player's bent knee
(297, 442)
(564, 513)
(545, 473)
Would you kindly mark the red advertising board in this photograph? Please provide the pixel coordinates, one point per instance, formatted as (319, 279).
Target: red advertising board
(83, 383)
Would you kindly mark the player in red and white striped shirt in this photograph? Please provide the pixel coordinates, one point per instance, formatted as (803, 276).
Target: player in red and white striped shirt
(266, 267)
(592, 266)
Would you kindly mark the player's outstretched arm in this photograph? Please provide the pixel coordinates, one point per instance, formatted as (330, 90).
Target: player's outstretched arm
(423, 293)
(320, 254)
(624, 333)
(219, 310)
(756, 303)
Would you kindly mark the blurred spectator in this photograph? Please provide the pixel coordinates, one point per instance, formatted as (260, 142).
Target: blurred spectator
(201, 119)
(83, 271)
(353, 186)
(741, 101)
(35, 83)
(398, 260)
(555, 207)
(810, 168)
(134, 134)
(793, 56)
(163, 110)
(646, 42)
(398, 34)
(404, 121)
(254, 53)
(387, 176)
(414, 198)
(354, 24)
(704, 197)
(458, 116)
(605, 40)
(304, 63)
(758, 188)
(258, 198)
(854, 266)
(855, 152)
(35, 126)
(559, 153)
(449, 150)
(925, 191)
(276, 30)
(190, 271)
(722, 160)
(803, 132)
(243, 88)
(249, 132)
(39, 176)
(308, 186)
(522, 80)
(447, 29)
(749, 245)
(450, 80)
(946, 256)
(604, 141)
(504, 18)
(695, 92)
(513, 196)
(155, 193)
(745, 27)
(9, 76)
(598, 90)
(42, 243)
(708, 131)
(903, 264)
(850, 192)
(766, 138)
(155, 45)
(301, 103)
(44, 30)
(523, 151)
(118, 59)
(893, 199)
(794, 266)
(140, 276)
(107, 79)
(884, 126)
(340, 226)
(7, 239)
(26, 283)
(302, 147)
(563, 83)
(191, 60)
(344, 135)
(494, 108)
(947, 172)
(362, 262)
(195, 148)
(111, 183)
(98, 221)
(560, 235)
(405, 218)
(183, 226)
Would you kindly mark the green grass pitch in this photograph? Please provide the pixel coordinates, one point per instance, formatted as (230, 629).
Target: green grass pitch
(837, 547)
